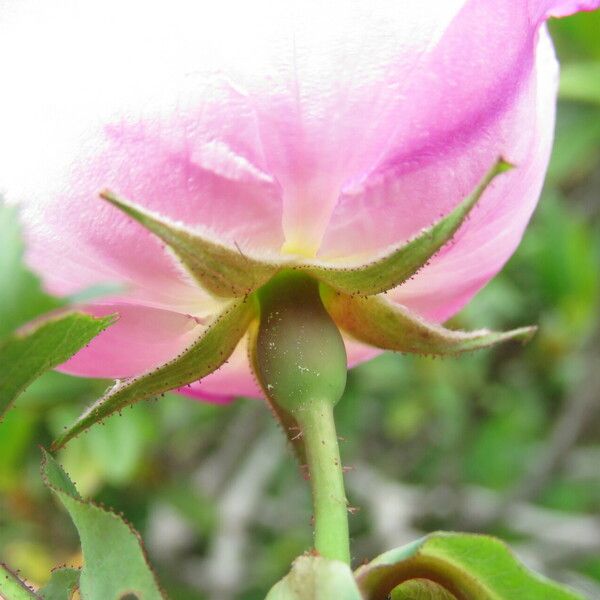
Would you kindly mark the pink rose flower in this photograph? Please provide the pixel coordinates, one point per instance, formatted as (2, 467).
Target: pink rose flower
(313, 129)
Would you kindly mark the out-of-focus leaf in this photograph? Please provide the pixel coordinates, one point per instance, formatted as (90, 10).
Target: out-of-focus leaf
(316, 578)
(21, 297)
(581, 81)
(565, 262)
(62, 584)
(499, 448)
(115, 564)
(119, 445)
(12, 588)
(111, 454)
(576, 37)
(201, 358)
(577, 145)
(376, 321)
(471, 567)
(17, 431)
(54, 389)
(28, 353)
(32, 561)
(199, 511)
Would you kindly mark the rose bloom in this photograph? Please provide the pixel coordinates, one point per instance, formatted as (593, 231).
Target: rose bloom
(286, 128)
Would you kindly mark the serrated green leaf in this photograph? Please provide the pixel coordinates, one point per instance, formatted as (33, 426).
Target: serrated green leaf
(316, 578)
(62, 584)
(223, 271)
(201, 358)
(471, 567)
(377, 321)
(114, 559)
(12, 588)
(28, 353)
(421, 589)
(403, 262)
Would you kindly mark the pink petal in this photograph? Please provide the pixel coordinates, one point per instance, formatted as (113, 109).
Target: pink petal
(562, 8)
(257, 120)
(141, 339)
(326, 88)
(493, 232)
(99, 244)
(152, 121)
(502, 105)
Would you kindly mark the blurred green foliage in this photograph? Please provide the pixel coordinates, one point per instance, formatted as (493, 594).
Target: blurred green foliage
(514, 429)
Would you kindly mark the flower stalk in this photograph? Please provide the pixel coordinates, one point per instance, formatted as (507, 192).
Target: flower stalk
(331, 536)
(300, 361)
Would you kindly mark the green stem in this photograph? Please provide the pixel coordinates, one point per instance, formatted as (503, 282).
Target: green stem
(326, 480)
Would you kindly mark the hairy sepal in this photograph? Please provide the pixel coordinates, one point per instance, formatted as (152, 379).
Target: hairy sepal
(378, 322)
(404, 261)
(466, 566)
(222, 271)
(214, 346)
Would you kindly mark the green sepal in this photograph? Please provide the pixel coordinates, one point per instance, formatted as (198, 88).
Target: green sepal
(201, 358)
(376, 321)
(225, 272)
(468, 566)
(115, 562)
(41, 346)
(12, 588)
(316, 578)
(63, 582)
(403, 262)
